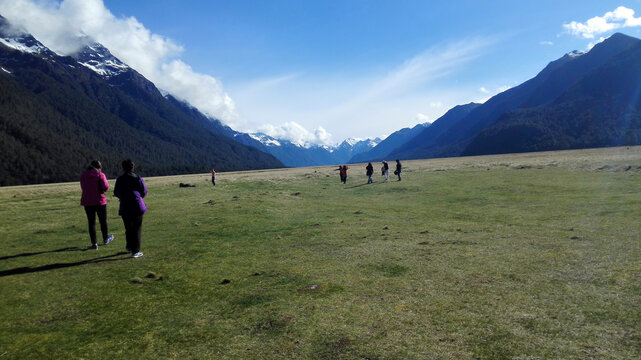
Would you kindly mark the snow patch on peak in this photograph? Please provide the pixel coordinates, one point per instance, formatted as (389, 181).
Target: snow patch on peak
(19, 39)
(98, 58)
(265, 139)
(27, 47)
(576, 53)
(352, 141)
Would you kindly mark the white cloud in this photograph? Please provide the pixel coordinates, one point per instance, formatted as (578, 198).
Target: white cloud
(621, 17)
(387, 101)
(58, 26)
(547, 43)
(297, 134)
(366, 104)
(422, 118)
(491, 94)
(178, 78)
(593, 43)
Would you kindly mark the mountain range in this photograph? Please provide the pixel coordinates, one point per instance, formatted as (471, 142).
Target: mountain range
(59, 112)
(288, 152)
(391, 143)
(292, 154)
(581, 100)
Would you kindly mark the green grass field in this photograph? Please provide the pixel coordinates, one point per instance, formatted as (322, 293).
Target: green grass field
(534, 256)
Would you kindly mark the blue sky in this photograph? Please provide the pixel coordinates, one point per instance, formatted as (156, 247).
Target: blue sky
(321, 71)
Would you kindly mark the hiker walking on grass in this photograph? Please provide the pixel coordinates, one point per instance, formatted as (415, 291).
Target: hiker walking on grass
(213, 177)
(369, 171)
(343, 172)
(130, 189)
(385, 170)
(398, 169)
(93, 183)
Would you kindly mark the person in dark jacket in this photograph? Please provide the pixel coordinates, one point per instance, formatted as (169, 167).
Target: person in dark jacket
(397, 172)
(94, 185)
(344, 174)
(369, 171)
(130, 189)
(385, 170)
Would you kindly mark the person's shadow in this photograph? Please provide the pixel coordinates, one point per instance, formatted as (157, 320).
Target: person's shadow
(27, 269)
(364, 184)
(74, 248)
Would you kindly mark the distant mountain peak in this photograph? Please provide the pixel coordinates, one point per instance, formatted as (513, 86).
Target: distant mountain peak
(265, 139)
(617, 41)
(576, 53)
(99, 59)
(20, 39)
(350, 141)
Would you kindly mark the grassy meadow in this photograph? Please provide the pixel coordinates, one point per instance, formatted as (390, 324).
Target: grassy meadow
(530, 256)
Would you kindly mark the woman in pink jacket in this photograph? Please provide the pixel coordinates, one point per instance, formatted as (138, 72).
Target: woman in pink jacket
(94, 185)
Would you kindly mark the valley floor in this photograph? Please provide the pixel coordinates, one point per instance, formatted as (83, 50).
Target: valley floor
(510, 256)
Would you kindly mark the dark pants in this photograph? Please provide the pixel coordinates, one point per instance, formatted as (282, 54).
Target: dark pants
(133, 231)
(91, 211)
(213, 181)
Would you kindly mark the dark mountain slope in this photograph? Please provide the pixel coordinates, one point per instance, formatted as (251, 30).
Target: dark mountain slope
(602, 109)
(58, 115)
(393, 141)
(552, 81)
(414, 148)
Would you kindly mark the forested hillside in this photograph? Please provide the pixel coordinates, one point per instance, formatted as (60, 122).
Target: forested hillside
(57, 115)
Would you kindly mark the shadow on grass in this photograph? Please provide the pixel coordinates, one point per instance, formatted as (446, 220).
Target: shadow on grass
(74, 248)
(363, 184)
(27, 270)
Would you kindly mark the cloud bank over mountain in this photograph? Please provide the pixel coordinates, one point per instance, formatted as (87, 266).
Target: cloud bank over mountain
(61, 26)
(621, 17)
(297, 134)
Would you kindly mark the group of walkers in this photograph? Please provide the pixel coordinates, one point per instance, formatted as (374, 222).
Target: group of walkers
(369, 171)
(129, 189)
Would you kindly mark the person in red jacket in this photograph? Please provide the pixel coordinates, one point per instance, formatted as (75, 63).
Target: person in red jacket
(342, 171)
(94, 185)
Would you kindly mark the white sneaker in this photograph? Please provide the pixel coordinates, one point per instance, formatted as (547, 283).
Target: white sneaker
(109, 239)
(136, 255)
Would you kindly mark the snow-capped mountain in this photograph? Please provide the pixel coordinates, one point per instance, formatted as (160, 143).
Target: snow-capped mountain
(289, 153)
(391, 142)
(99, 59)
(350, 147)
(20, 40)
(292, 154)
(265, 139)
(59, 111)
(102, 62)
